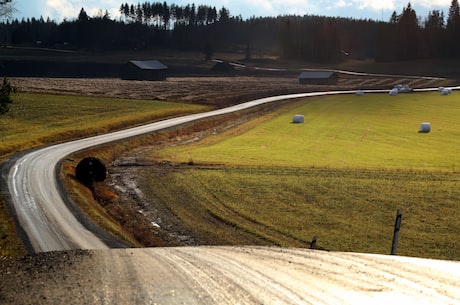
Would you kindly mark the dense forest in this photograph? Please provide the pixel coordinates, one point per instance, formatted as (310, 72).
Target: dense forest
(207, 29)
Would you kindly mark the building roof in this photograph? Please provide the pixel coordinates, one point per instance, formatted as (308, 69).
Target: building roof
(316, 74)
(149, 64)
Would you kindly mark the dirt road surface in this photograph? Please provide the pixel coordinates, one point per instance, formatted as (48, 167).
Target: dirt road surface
(226, 275)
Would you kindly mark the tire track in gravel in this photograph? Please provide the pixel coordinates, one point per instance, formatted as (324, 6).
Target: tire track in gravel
(271, 275)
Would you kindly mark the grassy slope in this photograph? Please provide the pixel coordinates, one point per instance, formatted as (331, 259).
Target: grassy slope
(40, 119)
(374, 132)
(342, 175)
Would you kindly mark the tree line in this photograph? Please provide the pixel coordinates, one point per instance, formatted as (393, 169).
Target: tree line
(204, 28)
(163, 15)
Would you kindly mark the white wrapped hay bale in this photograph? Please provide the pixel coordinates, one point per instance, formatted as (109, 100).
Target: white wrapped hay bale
(360, 93)
(446, 91)
(425, 127)
(394, 92)
(403, 88)
(298, 118)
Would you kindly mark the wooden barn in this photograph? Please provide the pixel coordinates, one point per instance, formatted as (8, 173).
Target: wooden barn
(144, 70)
(319, 78)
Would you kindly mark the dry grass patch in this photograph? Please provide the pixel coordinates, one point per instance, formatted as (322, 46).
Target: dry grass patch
(349, 210)
(40, 119)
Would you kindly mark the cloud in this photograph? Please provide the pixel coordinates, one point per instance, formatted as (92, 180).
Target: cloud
(378, 5)
(60, 8)
(270, 7)
(375, 5)
(431, 3)
(69, 9)
(342, 4)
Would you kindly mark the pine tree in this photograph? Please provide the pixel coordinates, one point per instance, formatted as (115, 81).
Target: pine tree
(453, 29)
(408, 30)
(453, 19)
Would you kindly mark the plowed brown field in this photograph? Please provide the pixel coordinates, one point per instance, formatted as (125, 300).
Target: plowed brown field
(220, 91)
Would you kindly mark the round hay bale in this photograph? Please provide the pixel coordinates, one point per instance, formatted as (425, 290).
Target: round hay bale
(404, 89)
(394, 92)
(425, 127)
(446, 91)
(440, 89)
(360, 93)
(89, 170)
(298, 118)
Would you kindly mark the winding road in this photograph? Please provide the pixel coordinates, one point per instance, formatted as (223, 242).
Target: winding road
(216, 275)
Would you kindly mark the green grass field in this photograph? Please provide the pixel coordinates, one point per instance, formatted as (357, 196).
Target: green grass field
(375, 131)
(341, 175)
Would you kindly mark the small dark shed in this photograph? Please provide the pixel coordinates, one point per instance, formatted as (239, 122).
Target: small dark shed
(144, 70)
(318, 78)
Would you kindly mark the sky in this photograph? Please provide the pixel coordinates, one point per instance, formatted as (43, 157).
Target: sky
(57, 10)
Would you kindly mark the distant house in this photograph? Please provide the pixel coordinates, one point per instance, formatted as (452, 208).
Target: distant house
(318, 78)
(144, 70)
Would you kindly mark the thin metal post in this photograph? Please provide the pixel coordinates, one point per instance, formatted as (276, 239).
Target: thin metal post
(313, 242)
(394, 246)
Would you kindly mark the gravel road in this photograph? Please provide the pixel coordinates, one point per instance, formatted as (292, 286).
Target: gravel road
(226, 275)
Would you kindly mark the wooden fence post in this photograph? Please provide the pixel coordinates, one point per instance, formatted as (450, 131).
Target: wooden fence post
(394, 245)
(313, 242)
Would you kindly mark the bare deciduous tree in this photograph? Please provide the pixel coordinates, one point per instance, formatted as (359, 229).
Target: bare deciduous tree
(7, 9)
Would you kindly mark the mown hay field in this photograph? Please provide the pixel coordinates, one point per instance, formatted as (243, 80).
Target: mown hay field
(342, 175)
(40, 119)
(375, 131)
